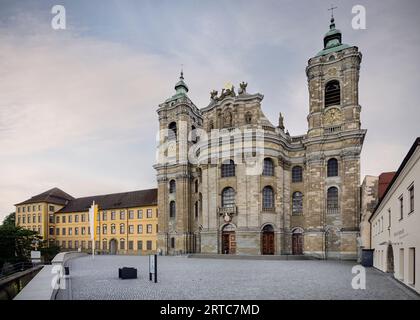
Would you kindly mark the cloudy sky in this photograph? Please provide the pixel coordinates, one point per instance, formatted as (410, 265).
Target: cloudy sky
(78, 106)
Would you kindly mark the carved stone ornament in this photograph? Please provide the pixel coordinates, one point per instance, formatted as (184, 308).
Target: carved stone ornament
(332, 72)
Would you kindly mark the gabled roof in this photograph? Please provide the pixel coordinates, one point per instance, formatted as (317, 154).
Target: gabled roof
(113, 201)
(54, 195)
(413, 148)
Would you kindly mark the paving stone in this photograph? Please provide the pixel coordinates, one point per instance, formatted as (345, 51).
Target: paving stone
(189, 278)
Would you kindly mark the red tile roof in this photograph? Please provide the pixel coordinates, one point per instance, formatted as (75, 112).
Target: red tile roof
(385, 179)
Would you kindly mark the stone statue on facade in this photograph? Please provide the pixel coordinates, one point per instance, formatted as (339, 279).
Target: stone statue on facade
(242, 87)
(281, 122)
(213, 95)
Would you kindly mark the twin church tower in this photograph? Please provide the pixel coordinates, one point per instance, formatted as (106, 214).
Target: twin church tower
(231, 182)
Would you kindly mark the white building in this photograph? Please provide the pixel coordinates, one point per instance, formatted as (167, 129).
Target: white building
(395, 223)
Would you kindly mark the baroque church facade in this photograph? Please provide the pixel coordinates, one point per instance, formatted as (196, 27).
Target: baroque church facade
(298, 195)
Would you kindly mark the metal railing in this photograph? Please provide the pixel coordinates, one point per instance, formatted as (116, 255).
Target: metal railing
(9, 269)
(228, 210)
(332, 130)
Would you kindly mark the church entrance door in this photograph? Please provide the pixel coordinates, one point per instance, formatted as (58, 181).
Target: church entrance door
(228, 240)
(332, 244)
(297, 242)
(267, 240)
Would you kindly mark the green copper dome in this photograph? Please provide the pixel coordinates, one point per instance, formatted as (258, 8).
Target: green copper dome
(181, 86)
(332, 40)
(181, 89)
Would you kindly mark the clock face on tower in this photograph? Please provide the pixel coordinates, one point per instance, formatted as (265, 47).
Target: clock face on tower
(332, 116)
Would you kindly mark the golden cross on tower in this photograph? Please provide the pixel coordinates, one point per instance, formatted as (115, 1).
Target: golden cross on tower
(332, 10)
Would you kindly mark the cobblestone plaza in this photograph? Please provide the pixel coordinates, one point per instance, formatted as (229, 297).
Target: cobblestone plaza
(180, 277)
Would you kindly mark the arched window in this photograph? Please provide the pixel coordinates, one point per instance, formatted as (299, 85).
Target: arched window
(332, 200)
(268, 169)
(122, 244)
(194, 136)
(113, 228)
(196, 209)
(172, 209)
(227, 119)
(172, 131)
(268, 198)
(104, 229)
(297, 174)
(332, 168)
(228, 169)
(104, 244)
(228, 197)
(332, 93)
(268, 228)
(122, 228)
(297, 202)
(211, 125)
(172, 186)
(248, 118)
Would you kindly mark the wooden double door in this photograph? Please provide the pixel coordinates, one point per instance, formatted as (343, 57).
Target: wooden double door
(267, 243)
(297, 243)
(228, 242)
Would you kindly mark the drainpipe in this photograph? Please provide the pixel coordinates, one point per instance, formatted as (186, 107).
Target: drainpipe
(127, 229)
(100, 229)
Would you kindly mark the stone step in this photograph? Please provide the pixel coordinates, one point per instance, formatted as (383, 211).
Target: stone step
(250, 257)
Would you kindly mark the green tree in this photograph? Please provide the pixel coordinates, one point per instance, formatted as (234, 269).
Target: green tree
(9, 220)
(16, 243)
(49, 251)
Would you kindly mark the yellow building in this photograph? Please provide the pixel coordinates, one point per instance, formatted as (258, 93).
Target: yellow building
(126, 223)
(37, 213)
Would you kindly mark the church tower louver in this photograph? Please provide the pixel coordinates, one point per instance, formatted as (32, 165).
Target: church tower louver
(304, 201)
